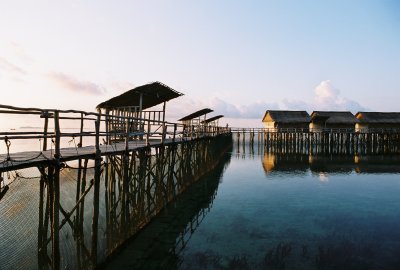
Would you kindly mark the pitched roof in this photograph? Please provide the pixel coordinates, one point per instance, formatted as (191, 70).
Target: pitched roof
(379, 117)
(153, 94)
(212, 119)
(288, 116)
(333, 117)
(196, 114)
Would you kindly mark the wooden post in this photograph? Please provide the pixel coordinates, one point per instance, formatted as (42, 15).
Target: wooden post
(46, 125)
(148, 132)
(175, 127)
(96, 193)
(56, 196)
(81, 131)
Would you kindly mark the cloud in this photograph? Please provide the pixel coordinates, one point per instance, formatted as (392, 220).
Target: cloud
(75, 85)
(326, 97)
(182, 106)
(10, 68)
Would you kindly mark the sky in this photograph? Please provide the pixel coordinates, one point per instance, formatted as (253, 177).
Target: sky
(239, 58)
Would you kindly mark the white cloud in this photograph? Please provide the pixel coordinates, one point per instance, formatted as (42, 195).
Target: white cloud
(75, 85)
(327, 97)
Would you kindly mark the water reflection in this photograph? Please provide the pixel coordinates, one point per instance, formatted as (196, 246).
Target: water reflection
(321, 163)
(160, 244)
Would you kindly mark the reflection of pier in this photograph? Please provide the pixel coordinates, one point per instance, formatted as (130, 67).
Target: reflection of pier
(132, 188)
(98, 184)
(328, 141)
(160, 243)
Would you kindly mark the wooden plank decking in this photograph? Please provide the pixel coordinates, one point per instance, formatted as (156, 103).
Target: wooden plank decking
(22, 160)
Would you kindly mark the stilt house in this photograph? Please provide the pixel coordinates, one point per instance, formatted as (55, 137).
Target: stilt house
(213, 121)
(281, 120)
(378, 121)
(322, 120)
(128, 112)
(194, 122)
(211, 125)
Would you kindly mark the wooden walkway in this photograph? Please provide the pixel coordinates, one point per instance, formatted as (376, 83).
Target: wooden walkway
(23, 160)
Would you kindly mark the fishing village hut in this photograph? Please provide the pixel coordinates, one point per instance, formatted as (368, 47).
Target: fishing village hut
(194, 122)
(211, 124)
(377, 121)
(129, 112)
(276, 120)
(321, 120)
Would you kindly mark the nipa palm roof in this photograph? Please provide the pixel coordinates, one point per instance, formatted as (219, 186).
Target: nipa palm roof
(196, 114)
(379, 117)
(153, 94)
(334, 117)
(212, 119)
(287, 116)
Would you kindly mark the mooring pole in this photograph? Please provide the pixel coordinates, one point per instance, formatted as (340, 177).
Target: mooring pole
(96, 193)
(56, 196)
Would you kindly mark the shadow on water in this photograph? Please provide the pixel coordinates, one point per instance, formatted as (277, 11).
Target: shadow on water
(159, 244)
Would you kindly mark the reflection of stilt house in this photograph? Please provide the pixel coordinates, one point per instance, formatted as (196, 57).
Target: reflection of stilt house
(211, 124)
(283, 162)
(127, 113)
(281, 120)
(321, 120)
(194, 122)
(378, 121)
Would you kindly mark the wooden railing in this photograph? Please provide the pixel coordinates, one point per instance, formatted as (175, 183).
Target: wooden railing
(314, 130)
(61, 127)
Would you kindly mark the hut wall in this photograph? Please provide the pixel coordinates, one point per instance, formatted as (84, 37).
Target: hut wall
(269, 125)
(320, 126)
(304, 126)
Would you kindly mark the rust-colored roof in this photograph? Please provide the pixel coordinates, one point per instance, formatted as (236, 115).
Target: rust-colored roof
(287, 116)
(196, 114)
(153, 94)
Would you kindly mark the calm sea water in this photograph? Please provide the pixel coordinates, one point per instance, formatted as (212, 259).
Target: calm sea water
(286, 211)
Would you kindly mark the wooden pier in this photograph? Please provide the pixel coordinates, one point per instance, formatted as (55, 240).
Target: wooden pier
(329, 141)
(121, 179)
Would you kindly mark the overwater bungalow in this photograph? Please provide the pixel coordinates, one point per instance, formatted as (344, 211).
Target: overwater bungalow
(211, 124)
(377, 121)
(194, 122)
(336, 120)
(281, 120)
(213, 121)
(134, 104)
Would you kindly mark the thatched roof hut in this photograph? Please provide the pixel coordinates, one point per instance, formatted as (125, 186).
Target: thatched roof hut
(145, 96)
(212, 119)
(378, 120)
(286, 119)
(132, 105)
(196, 114)
(333, 119)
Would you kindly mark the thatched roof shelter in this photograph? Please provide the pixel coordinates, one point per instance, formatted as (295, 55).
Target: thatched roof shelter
(152, 94)
(196, 114)
(379, 117)
(212, 119)
(286, 117)
(332, 117)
